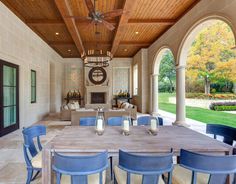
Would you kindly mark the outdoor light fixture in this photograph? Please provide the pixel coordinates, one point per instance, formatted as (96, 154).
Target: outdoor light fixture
(96, 57)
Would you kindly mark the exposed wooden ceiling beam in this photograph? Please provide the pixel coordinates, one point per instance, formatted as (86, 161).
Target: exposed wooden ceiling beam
(65, 11)
(128, 7)
(36, 22)
(152, 21)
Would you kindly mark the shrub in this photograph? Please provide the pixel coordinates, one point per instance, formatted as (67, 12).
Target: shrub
(223, 106)
(225, 96)
(213, 90)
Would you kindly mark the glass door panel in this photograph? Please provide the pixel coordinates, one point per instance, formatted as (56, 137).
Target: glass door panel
(9, 95)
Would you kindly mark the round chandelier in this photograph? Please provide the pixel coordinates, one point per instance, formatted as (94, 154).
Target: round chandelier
(96, 58)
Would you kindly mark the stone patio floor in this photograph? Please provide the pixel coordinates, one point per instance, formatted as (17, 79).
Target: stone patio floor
(12, 165)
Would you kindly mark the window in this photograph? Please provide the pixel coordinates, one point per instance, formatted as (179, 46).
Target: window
(121, 79)
(33, 86)
(135, 79)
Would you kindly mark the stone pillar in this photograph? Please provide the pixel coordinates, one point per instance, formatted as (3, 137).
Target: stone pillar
(234, 88)
(155, 94)
(180, 97)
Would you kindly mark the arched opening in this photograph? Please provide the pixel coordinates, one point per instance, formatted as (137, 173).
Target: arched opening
(164, 79)
(205, 59)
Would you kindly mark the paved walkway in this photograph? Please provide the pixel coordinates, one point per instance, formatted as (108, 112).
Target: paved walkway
(169, 118)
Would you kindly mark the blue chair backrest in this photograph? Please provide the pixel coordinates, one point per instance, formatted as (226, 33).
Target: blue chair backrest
(114, 121)
(29, 134)
(144, 120)
(150, 167)
(217, 166)
(229, 133)
(87, 121)
(79, 167)
(29, 145)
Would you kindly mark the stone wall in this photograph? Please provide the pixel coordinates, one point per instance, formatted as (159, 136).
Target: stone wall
(142, 99)
(21, 46)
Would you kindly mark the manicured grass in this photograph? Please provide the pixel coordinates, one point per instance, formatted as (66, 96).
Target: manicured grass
(199, 114)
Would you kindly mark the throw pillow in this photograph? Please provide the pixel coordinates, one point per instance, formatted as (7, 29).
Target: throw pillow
(76, 104)
(65, 107)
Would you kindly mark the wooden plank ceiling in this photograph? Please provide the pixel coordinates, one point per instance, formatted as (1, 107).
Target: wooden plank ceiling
(138, 27)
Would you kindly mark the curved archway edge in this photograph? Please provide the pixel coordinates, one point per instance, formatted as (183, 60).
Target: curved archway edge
(192, 33)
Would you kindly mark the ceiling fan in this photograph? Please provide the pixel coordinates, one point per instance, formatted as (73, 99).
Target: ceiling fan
(96, 17)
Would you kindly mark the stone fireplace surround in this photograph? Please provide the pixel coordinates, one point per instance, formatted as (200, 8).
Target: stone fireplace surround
(97, 89)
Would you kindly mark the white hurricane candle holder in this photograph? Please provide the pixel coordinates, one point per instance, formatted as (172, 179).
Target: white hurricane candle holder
(126, 125)
(154, 124)
(100, 125)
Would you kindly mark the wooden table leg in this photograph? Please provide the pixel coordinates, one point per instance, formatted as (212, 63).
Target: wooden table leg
(46, 165)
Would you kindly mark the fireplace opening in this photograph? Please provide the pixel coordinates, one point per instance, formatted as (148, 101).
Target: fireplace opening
(98, 98)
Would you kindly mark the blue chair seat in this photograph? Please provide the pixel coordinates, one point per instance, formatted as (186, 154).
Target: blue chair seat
(184, 176)
(92, 179)
(143, 169)
(198, 168)
(121, 177)
(37, 160)
(80, 169)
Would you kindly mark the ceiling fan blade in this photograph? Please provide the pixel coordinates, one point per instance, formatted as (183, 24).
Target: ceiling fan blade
(114, 13)
(90, 6)
(108, 25)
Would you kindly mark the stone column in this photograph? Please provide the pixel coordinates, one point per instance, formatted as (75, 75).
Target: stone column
(155, 94)
(180, 97)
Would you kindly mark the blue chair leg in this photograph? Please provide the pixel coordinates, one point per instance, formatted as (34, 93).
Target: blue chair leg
(111, 167)
(29, 175)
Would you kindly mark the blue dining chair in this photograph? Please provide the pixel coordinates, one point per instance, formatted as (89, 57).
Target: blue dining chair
(87, 121)
(32, 151)
(143, 169)
(114, 121)
(80, 169)
(144, 120)
(215, 168)
(229, 133)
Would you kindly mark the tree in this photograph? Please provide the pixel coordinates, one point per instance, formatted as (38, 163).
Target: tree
(211, 57)
(167, 70)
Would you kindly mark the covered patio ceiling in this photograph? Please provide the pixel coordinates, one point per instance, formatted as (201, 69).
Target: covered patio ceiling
(138, 27)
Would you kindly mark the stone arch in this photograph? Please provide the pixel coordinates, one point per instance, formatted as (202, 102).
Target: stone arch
(158, 57)
(193, 32)
(182, 60)
(155, 74)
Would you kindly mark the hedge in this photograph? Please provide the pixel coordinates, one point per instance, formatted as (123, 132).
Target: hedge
(225, 108)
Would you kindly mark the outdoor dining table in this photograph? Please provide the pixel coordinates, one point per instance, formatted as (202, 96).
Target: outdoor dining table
(84, 140)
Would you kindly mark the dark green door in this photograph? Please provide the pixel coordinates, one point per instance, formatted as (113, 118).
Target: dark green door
(9, 98)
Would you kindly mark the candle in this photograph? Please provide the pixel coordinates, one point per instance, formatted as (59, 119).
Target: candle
(153, 124)
(126, 125)
(99, 124)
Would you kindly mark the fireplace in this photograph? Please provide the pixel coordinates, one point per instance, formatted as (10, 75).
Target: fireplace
(98, 98)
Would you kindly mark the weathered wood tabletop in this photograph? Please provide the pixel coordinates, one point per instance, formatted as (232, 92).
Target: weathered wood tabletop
(84, 140)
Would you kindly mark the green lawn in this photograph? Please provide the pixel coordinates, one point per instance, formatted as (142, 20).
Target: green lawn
(199, 114)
